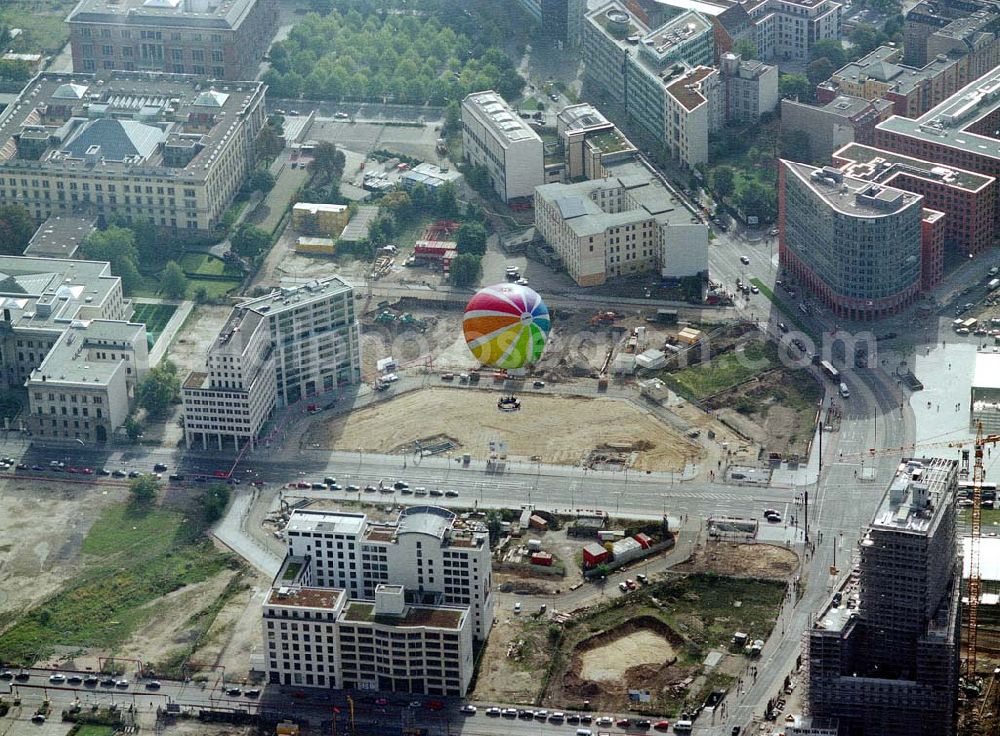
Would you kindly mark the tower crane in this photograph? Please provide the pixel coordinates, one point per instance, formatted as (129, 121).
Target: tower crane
(975, 581)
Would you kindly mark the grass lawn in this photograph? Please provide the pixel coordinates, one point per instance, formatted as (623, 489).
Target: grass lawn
(214, 289)
(90, 729)
(131, 557)
(43, 23)
(203, 263)
(727, 370)
(786, 310)
(155, 316)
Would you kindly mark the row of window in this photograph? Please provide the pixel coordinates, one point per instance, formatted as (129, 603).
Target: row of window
(90, 32)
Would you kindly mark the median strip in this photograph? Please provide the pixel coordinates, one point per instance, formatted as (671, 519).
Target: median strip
(789, 315)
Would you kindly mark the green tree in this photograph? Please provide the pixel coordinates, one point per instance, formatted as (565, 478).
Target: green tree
(144, 489)
(754, 199)
(117, 246)
(795, 86)
(214, 501)
(328, 161)
(261, 180)
(494, 525)
(465, 269)
(746, 48)
(819, 70)
(471, 238)
(159, 389)
(16, 228)
(865, 37)
(447, 201)
(399, 203)
(452, 118)
(795, 145)
(830, 49)
(723, 181)
(269, 142)
(133, 429)
(249, 240)
(173, 282)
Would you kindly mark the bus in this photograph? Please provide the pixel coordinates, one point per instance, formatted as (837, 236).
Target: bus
(832, 373)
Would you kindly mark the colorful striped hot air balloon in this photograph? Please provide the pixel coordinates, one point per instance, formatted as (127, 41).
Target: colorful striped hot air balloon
(506, 325)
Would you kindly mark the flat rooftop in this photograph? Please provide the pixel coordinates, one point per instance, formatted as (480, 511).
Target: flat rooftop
(122, 121)
(987, 371)
(876, 164)
(292, 297)
(69, 360)
(582, 117)
(235, 335)
(947, 124)
(433, 617)
(496, 114)
(219, 14)
(325, 522)
(60, 236)
(328, 599)
(852, 196)
(912, 502)
(884, 65)
(49, 293)
(687, 88)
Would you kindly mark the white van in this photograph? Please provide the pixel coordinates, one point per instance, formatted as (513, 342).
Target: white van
(845, 392)
(583, 732)
(683, 727)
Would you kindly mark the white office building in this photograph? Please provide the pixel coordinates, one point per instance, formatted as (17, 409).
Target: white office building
(233, 398)
(379, 605)
(495, 137)
(316, 337)
(424, 549)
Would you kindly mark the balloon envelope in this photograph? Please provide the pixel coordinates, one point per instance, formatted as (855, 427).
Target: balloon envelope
(506, 325)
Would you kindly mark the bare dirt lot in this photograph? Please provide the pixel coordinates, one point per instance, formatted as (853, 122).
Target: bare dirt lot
(469, 417)
(749, 560)
(516, 654)
(35, 565)
(610, 662)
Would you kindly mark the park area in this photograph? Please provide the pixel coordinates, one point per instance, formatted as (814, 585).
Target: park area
(655, 639)
(468, 418)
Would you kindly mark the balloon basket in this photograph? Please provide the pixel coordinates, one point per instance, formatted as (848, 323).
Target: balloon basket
(509, 404)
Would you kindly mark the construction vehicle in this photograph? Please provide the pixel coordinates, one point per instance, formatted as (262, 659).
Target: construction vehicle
(603, 318)
(385, 317)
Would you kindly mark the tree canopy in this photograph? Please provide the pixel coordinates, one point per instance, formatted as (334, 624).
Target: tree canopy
(723, 181)
(410, 59)
(829, 48)
(160, 388)
(249, 240)
(173, 282)
(16, 228)
(471, 238)
(464, 269)
(795, 86)
(144, 489)
(328, 161)
(117, 246)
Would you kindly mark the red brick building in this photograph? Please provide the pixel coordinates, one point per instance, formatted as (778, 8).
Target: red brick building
(220, 39)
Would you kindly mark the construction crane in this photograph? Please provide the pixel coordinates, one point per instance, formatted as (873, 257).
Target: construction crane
(975, 581)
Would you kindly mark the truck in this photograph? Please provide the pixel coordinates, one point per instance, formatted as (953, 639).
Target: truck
(970, 323)
(832, 373)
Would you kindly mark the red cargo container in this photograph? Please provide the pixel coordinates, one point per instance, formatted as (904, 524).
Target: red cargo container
(541, 558)
(593, 555)
(643, 540)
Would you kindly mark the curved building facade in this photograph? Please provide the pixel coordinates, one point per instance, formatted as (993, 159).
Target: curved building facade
(854, 243)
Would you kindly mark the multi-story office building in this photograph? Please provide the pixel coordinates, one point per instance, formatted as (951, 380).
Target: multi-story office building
(314, 329)
(967, 199)
(840, 121)
(219, 39)
(65, 336)
(959, 133)
(41, 298)
(881, 75)
(319, 637)
(858, 246)
(590, 142)
(749, 88)
(167, 148)
(558, 20)
(495, 137)
(236, 393)
(625, 224)
(424, 549)
(788, 29)
(660, 77)
(884, 659)
(83, 388)
(956, 28)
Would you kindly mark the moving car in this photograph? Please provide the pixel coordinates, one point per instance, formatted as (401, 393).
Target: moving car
(744, 260)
